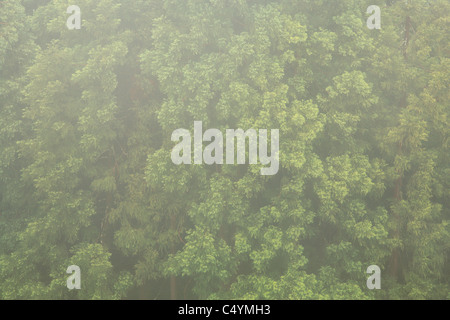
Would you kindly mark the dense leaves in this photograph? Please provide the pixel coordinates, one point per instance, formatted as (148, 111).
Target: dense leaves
(86, 177)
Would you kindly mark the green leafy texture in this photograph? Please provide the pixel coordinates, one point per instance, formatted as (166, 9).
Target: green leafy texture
(86, 176)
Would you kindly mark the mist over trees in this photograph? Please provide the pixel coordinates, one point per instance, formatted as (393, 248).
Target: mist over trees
(86, 176)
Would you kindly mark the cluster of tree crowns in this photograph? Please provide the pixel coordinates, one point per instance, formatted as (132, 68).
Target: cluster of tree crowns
(87, 179)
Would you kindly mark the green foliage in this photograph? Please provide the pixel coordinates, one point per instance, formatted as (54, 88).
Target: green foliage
(86, 176)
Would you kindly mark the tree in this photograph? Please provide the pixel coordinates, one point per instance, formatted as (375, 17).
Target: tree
(86, 118)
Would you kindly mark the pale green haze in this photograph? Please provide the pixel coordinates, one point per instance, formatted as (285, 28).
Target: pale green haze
(344, 107)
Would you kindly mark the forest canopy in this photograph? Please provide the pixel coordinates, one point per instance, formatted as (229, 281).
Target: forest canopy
(86, 176)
